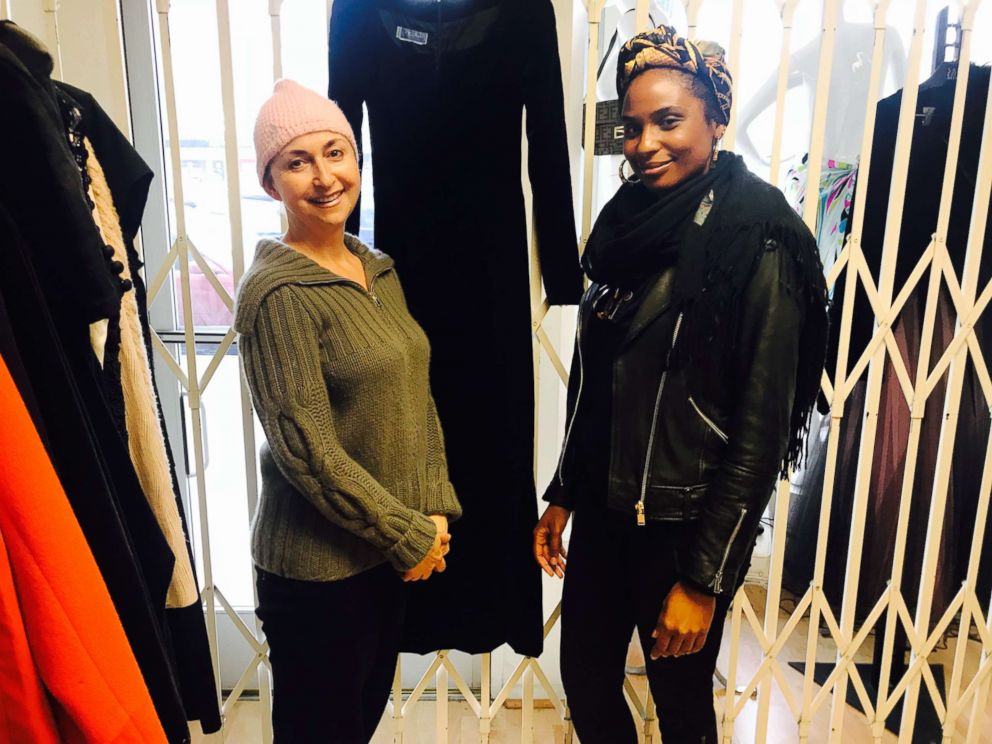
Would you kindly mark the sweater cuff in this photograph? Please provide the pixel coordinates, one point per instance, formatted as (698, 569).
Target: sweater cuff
(441, 499)
(415, 544)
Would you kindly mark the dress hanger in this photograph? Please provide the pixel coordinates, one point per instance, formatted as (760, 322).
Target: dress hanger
(945, 71)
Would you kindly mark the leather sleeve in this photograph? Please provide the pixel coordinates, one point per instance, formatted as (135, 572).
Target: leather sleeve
(764, 370)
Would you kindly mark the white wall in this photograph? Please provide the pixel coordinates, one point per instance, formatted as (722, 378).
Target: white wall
(84, 37)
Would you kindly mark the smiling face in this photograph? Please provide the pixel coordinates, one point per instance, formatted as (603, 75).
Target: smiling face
(668, 133)
(316, 176)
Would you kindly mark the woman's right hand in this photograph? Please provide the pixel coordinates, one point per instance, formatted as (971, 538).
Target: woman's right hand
(549, 552)
(434, 560)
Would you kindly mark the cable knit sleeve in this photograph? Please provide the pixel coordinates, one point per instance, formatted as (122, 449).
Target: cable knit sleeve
(282, 365)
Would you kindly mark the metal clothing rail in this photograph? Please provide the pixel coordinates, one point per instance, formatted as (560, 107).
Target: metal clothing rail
(764, 626)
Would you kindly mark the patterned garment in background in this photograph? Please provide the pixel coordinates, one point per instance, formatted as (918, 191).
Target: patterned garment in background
(836, 198)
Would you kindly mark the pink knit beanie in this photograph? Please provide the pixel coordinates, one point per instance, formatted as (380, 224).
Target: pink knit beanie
(293, 110)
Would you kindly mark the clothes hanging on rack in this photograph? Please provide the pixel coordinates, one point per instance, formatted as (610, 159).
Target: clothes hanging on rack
(23, 689)
(144, 436)
(67, 672)
(120, 529)
(449, 205)
(835, 198)
(119, 183)
(56, 281)
(918, 223)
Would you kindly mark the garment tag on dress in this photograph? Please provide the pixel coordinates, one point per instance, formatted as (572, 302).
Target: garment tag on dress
(413, 36)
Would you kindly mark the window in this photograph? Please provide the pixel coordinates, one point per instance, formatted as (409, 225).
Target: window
(206, 211)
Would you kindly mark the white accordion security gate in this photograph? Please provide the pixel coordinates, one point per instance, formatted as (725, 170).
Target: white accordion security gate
(967, 685)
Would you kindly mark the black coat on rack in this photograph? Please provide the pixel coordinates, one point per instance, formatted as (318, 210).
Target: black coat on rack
(55, 280)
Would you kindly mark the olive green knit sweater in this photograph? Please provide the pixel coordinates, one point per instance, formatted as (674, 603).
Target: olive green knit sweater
(339, 379)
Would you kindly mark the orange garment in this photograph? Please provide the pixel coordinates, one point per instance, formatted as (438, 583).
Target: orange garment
(78, 650)
(25, 714)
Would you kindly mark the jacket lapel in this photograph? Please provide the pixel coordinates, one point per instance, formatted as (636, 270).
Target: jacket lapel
(657, 300)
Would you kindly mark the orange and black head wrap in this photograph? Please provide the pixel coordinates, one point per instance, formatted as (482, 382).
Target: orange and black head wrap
(664, 48)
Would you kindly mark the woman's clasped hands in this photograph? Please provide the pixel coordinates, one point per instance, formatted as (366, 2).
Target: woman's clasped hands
(435, 558)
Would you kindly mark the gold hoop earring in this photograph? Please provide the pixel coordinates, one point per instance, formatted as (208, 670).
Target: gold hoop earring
(633, 178)
(716, 151)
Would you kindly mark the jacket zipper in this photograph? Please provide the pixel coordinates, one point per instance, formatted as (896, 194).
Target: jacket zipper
(709, 422)
(641, 519)
(717, 584)
(578, 398)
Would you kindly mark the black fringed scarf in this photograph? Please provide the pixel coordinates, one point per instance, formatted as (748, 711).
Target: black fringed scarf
(639, 232)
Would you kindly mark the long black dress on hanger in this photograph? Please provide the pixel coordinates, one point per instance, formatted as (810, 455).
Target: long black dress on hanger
(445, 85)
(919, 222)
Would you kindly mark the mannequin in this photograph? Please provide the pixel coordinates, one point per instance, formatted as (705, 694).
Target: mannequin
(849, 79)
(850, 76)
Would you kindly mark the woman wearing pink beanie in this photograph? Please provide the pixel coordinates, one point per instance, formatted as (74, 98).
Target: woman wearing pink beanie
(355, 497)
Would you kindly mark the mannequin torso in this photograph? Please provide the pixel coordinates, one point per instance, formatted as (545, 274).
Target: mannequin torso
(850, 76)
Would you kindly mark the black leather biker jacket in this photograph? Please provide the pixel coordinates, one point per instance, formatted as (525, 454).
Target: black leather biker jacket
(703, 444)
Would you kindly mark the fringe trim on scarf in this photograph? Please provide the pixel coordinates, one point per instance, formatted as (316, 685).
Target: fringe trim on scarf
(714, 314)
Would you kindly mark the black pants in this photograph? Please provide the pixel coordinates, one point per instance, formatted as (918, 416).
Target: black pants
(333, 647)
(617, 578)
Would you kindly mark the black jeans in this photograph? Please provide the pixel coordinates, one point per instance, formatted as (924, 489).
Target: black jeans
(617, 578)
(333, 647)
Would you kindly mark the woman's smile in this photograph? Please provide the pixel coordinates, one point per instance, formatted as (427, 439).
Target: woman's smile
(655, 169)
(328, 201)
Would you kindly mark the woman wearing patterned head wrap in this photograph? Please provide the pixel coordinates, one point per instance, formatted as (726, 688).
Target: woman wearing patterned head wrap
(698, 357)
